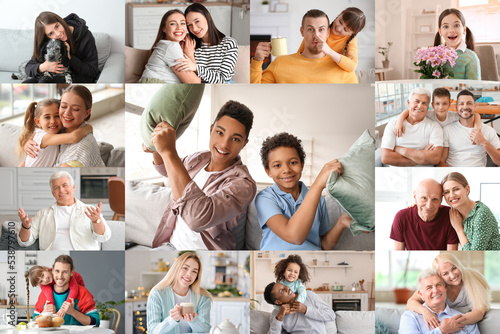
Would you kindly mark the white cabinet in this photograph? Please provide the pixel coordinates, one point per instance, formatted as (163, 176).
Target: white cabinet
(8, 196)
(238, 312)
(144, 21)
(326, 297)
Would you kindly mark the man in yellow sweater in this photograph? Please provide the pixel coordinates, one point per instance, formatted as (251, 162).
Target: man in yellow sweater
(311, 65)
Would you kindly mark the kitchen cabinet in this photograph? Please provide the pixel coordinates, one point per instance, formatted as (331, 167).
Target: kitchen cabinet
(326, 297)
(238, 312)
(8, 200)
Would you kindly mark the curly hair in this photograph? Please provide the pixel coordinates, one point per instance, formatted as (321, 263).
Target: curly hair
(279, 270)
(268, 294)
(282, 139)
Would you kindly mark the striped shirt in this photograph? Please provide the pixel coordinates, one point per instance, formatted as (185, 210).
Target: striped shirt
(215, 63)
(86, 151)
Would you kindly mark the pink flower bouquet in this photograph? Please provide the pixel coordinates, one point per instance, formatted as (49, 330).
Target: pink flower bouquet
(435, 62)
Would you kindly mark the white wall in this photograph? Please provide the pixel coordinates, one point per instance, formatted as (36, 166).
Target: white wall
(362, 268)
(101, 16)
(334, 115)
(297, 9)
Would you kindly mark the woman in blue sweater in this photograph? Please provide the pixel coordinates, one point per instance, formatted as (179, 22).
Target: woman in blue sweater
(180, 285)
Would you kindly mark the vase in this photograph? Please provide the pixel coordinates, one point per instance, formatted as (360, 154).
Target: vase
(385, 63)
(401, 295)
(104, 324)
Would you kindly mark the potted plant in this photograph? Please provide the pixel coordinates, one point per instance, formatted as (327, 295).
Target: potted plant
(401, 295)
(104, 311)
(384, 51)
(264, 6)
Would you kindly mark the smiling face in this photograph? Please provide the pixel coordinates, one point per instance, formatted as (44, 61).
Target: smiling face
(63, 191)
(428, 197)
(433, 292)
(418, 105)
(441, 105)
(450, 274)
(455, 194)
(197, 25)
(56, 31)
(49, 119)
(292, 272)
(283, 294)
(466, 107)
(62, 274)
(187, 274)
(72, 111)
(452, 30)
(175, 27)
(227, 139)
(340, 29)
(285, 168)
(46, 278)
(313, 30)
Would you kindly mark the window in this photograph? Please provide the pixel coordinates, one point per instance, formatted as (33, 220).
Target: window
(15, 99)
(390, 100)
(482, 19)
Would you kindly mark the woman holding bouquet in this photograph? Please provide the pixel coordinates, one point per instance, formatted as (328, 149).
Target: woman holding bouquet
(454, 34)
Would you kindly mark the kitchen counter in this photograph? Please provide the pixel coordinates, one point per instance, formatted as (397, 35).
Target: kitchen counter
(327, 292)
(17, 306)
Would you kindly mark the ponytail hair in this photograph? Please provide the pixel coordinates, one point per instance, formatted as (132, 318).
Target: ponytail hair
(26, 276)
(469, 37)
(354, 19)
(34, 109)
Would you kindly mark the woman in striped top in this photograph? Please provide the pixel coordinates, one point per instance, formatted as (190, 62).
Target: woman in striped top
(180, 285)
(210, 54)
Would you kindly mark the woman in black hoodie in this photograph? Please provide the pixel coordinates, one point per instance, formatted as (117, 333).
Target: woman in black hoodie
(75, 34)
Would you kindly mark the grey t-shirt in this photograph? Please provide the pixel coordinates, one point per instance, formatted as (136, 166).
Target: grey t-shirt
(164, 56)
(86, 151)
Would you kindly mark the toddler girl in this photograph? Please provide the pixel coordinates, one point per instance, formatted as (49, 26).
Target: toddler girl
(454, 34)
(292, 272)
(42, 124)
(40, 275)
(341, 44)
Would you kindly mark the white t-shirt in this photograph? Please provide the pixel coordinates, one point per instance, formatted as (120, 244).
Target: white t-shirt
(162, 60)
(461, 152)
(416, 136)
(46, 157)
(182, 236)
(450, 118)
(62, 217)
(183, 324)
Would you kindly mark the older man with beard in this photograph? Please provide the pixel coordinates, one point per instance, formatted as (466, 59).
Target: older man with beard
(422, 142)
(310, 66)
(459, 150)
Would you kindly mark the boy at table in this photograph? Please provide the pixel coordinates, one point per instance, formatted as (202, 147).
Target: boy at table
(80, 311)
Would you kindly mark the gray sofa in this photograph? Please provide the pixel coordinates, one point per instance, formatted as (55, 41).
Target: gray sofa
(17, 47)
(390, 317)
(346, 322)
(9, 134)
(142, 197)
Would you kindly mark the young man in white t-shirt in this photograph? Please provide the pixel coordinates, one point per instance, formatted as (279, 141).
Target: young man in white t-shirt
(459, 150)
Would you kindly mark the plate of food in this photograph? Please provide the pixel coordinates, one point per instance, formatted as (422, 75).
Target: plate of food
(48, 323)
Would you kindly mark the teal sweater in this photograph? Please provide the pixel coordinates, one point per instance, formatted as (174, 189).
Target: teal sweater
(467, 66)
(160, 302)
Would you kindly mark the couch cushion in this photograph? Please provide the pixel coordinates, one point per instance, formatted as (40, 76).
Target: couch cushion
(9, 240)
(355, 322)
(355, 189)
(144, 206)
(103, 44)
(253, 233)
(116, 157)
(9, 135)
(390, 317)
(259, 322)
(20, 48)
(135, 61)
(242, 67)
(117, 240)
(174, 104)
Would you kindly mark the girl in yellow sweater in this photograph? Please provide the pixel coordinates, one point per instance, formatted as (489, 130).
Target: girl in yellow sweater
(341, 44)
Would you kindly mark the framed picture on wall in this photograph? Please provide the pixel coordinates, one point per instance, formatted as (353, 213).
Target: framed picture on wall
(272, 5)
(425, 28)
(281, 8)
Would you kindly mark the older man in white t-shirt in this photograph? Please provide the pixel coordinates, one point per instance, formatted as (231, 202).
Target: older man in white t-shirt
(66, 225)
(422, 142)
(459, 150)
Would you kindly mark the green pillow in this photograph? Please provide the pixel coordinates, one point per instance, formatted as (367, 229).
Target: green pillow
(175, 104)
(354, 190)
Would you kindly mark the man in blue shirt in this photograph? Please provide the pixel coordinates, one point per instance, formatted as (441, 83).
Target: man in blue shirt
(433, 291)
(80, 311)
